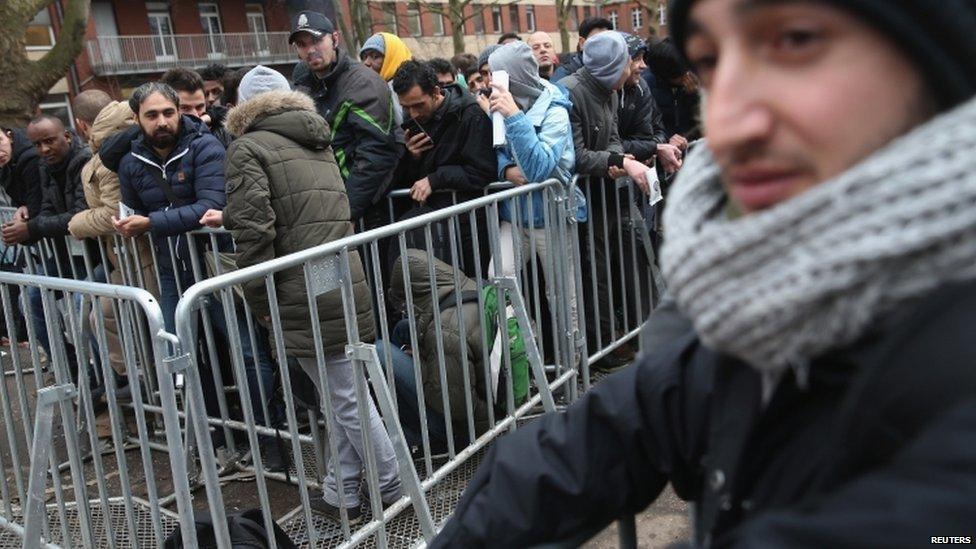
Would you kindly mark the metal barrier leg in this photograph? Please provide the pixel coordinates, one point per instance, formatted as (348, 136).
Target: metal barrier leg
(408, 475)
(510, 285)
(47, 398)
(627, 532)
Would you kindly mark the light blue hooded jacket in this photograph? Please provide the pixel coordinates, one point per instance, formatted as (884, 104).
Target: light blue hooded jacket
(540, 143)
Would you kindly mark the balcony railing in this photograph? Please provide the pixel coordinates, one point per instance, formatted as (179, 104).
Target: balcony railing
(155, 53)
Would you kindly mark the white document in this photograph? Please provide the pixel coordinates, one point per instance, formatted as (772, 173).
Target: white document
(125, 211)
(495, 358)
(654, 186)
(497, 119)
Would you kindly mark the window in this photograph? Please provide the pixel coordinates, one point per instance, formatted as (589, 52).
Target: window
(612, 16)
(636, 18)
(438, 23)
(162, 35)
(479, 18)
(587, 12)
(414, 24)
(530, 18)
(210, 21)
(385, 17)
(662, 14)
(574, 19)
(513, 18)
(39, 34)
(256, 26)
(57, 104)
(496, 18)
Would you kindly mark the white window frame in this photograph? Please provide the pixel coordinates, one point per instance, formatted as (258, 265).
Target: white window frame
(213, 38)
(517, 22)
(47, 24)
(662, 14)
(65, 104)
(497, 20)
(478, 18)
(613, 17)
(169, 53)
(413, 15)
(438, 20)
(260, 36)
(529, 18)
(636, 18)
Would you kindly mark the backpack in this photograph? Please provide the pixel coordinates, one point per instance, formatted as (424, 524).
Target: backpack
(246, 532)
(516, 343)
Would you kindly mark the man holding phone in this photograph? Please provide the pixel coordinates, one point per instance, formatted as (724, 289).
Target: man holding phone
(448, 138)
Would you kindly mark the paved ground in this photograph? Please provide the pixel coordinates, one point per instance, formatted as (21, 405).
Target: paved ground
(663, 523)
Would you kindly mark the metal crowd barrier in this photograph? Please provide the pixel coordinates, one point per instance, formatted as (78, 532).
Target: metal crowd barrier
(99, 446)
(583, 300)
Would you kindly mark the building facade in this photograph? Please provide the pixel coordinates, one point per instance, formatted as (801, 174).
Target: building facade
(129, 42)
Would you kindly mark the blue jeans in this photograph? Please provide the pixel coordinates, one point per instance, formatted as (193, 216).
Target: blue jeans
(37, 303)
(170, 295)
(406, 391)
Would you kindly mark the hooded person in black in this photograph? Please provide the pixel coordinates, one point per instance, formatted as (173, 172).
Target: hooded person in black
(20, 176)
(452, 153)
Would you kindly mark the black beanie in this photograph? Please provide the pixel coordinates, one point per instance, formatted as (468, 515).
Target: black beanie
(939, 36)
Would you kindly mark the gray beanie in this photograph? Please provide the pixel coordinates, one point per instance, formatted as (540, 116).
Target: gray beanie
(260, 79)
(374, 42)
(605, 57)
(517, 59)
(483, 58)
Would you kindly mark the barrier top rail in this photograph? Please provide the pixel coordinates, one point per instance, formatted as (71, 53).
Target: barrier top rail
(296, 259)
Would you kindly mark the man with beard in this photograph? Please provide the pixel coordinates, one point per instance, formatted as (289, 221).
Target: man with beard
(358, 106)
(822, 242)
(545, 53)
(453, 151)
(195, 101)
(570, 63)
(173, 174)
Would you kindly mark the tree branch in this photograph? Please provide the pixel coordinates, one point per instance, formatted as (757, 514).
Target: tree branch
(56, 62)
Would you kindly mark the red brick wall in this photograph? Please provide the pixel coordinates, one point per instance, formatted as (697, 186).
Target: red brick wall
(131, 17)
(276, 17)
(233, 17)
(185, 16)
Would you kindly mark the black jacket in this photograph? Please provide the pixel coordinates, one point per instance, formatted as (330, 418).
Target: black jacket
(21, 177)
(357, 104)
(876, 449)
(63, 194)
(567, 66)
(462, 158)
(594, 120)
(640, 124)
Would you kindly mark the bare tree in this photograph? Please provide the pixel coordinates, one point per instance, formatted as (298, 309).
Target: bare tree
(26, 82)
(457, 13)
(564, 10)
(353, 36)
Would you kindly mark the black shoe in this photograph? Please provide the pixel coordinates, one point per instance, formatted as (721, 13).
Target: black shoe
(320, 506)
(273, 455)
(610, 363)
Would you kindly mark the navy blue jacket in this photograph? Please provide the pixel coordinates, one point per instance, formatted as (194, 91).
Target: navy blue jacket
(194, 170)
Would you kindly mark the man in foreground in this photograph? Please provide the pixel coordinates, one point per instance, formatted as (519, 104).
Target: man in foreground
(823, 244)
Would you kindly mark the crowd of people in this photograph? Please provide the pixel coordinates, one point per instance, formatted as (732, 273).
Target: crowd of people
(810, 383)
(288, 165)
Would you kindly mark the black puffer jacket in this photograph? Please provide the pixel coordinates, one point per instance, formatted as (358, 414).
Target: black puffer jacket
(21, 177)
(640, 124)
(357, 104)
(63, 194)
(875, 450)
(462, 158)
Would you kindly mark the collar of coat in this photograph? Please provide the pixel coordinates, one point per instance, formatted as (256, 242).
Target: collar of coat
(246, 114)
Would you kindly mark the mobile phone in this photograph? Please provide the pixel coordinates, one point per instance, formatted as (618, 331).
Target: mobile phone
(485, 92)
(413, 127)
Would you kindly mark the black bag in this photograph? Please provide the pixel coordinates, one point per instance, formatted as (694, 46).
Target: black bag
(246, 532)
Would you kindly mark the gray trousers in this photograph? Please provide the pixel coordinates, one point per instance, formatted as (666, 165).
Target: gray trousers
(340, 376)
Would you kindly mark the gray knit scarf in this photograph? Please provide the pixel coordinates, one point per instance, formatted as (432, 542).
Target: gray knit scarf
(780, 287)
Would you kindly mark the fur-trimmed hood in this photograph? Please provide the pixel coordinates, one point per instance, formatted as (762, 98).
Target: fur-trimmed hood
(288, 113)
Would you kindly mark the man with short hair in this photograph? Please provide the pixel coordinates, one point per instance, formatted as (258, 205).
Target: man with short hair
(356, 103)
(193, 101)
(545, 53)
(600, 155)
(172, 175)
(453, 151)
(641, 129)
(62, 157)
(85, 108)
(444, 71)
(822, 242)
(463, 63)
(213, 83)
(589, 28)
(508, 38)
